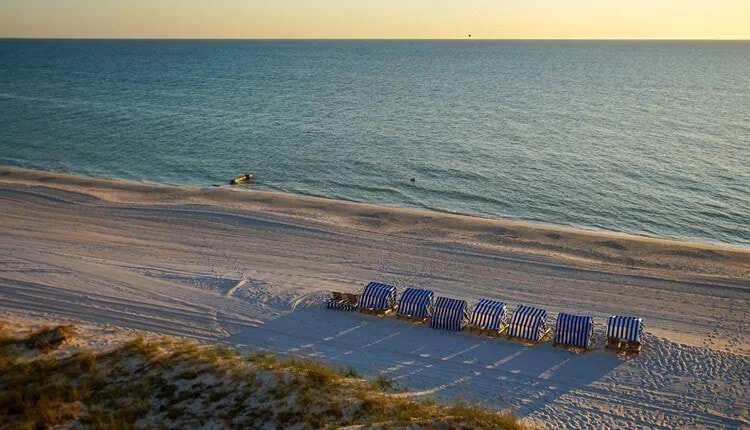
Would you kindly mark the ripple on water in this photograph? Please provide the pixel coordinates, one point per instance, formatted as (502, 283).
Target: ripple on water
(641, 137)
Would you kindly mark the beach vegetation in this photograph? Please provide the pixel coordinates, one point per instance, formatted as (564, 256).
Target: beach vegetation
(383, 383)
(175, 383)
(47, 339)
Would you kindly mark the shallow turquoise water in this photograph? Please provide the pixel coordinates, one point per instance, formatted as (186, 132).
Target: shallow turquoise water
(641, 137)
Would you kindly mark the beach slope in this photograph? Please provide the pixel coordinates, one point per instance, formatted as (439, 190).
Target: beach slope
(252, 269)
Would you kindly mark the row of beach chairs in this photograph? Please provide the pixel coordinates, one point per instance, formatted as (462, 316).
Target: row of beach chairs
(489, 317)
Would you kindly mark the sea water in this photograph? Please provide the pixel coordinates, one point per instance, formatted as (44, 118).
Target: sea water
(649, 138)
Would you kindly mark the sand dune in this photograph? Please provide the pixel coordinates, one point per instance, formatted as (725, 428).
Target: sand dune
(252, 268)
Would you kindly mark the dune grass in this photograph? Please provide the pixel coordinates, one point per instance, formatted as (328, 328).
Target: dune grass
(176, 383)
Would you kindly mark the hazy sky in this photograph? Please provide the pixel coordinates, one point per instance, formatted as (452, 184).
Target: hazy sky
(490, 19)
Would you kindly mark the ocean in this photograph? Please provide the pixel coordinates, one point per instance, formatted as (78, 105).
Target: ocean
(649, 138)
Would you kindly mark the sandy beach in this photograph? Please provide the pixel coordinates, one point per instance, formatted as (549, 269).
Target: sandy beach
(252, 269)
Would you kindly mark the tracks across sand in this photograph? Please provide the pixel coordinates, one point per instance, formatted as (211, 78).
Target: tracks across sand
(166, 267)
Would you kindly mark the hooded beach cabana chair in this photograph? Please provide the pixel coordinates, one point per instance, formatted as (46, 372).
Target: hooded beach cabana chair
(573, 331)
(489, 317)
(449, 314)
(415, 304)
(528, 324)
(624, 333)
(342, 301)
(378, 299)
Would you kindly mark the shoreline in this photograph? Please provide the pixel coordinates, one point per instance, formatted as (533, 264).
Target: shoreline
(40, 176)
(518, 236)
(20, 174)
(514, 221)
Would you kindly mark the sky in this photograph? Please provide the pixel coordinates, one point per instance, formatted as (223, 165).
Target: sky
(378, 19)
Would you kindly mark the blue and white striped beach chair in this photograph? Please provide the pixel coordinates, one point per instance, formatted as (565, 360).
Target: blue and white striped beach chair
(341, 305)
(528, 323)
(378, 299)
(342, 302)
(449, 314)
(489, 317)
(573, 330)
(624, 333)
(415, 304)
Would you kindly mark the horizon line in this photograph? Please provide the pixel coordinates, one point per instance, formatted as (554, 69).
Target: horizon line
(373, 39)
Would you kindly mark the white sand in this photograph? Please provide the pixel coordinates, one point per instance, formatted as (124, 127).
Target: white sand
(252, 269)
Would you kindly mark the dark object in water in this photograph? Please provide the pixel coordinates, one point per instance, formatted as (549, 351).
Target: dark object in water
(414, 179)
(243, 178)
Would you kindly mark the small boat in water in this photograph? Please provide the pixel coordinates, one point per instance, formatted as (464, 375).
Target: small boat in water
(248, 177)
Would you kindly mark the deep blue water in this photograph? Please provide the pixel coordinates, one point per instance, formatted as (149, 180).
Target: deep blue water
(642, 137)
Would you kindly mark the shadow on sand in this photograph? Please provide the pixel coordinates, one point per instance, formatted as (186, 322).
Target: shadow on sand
(442, 365)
